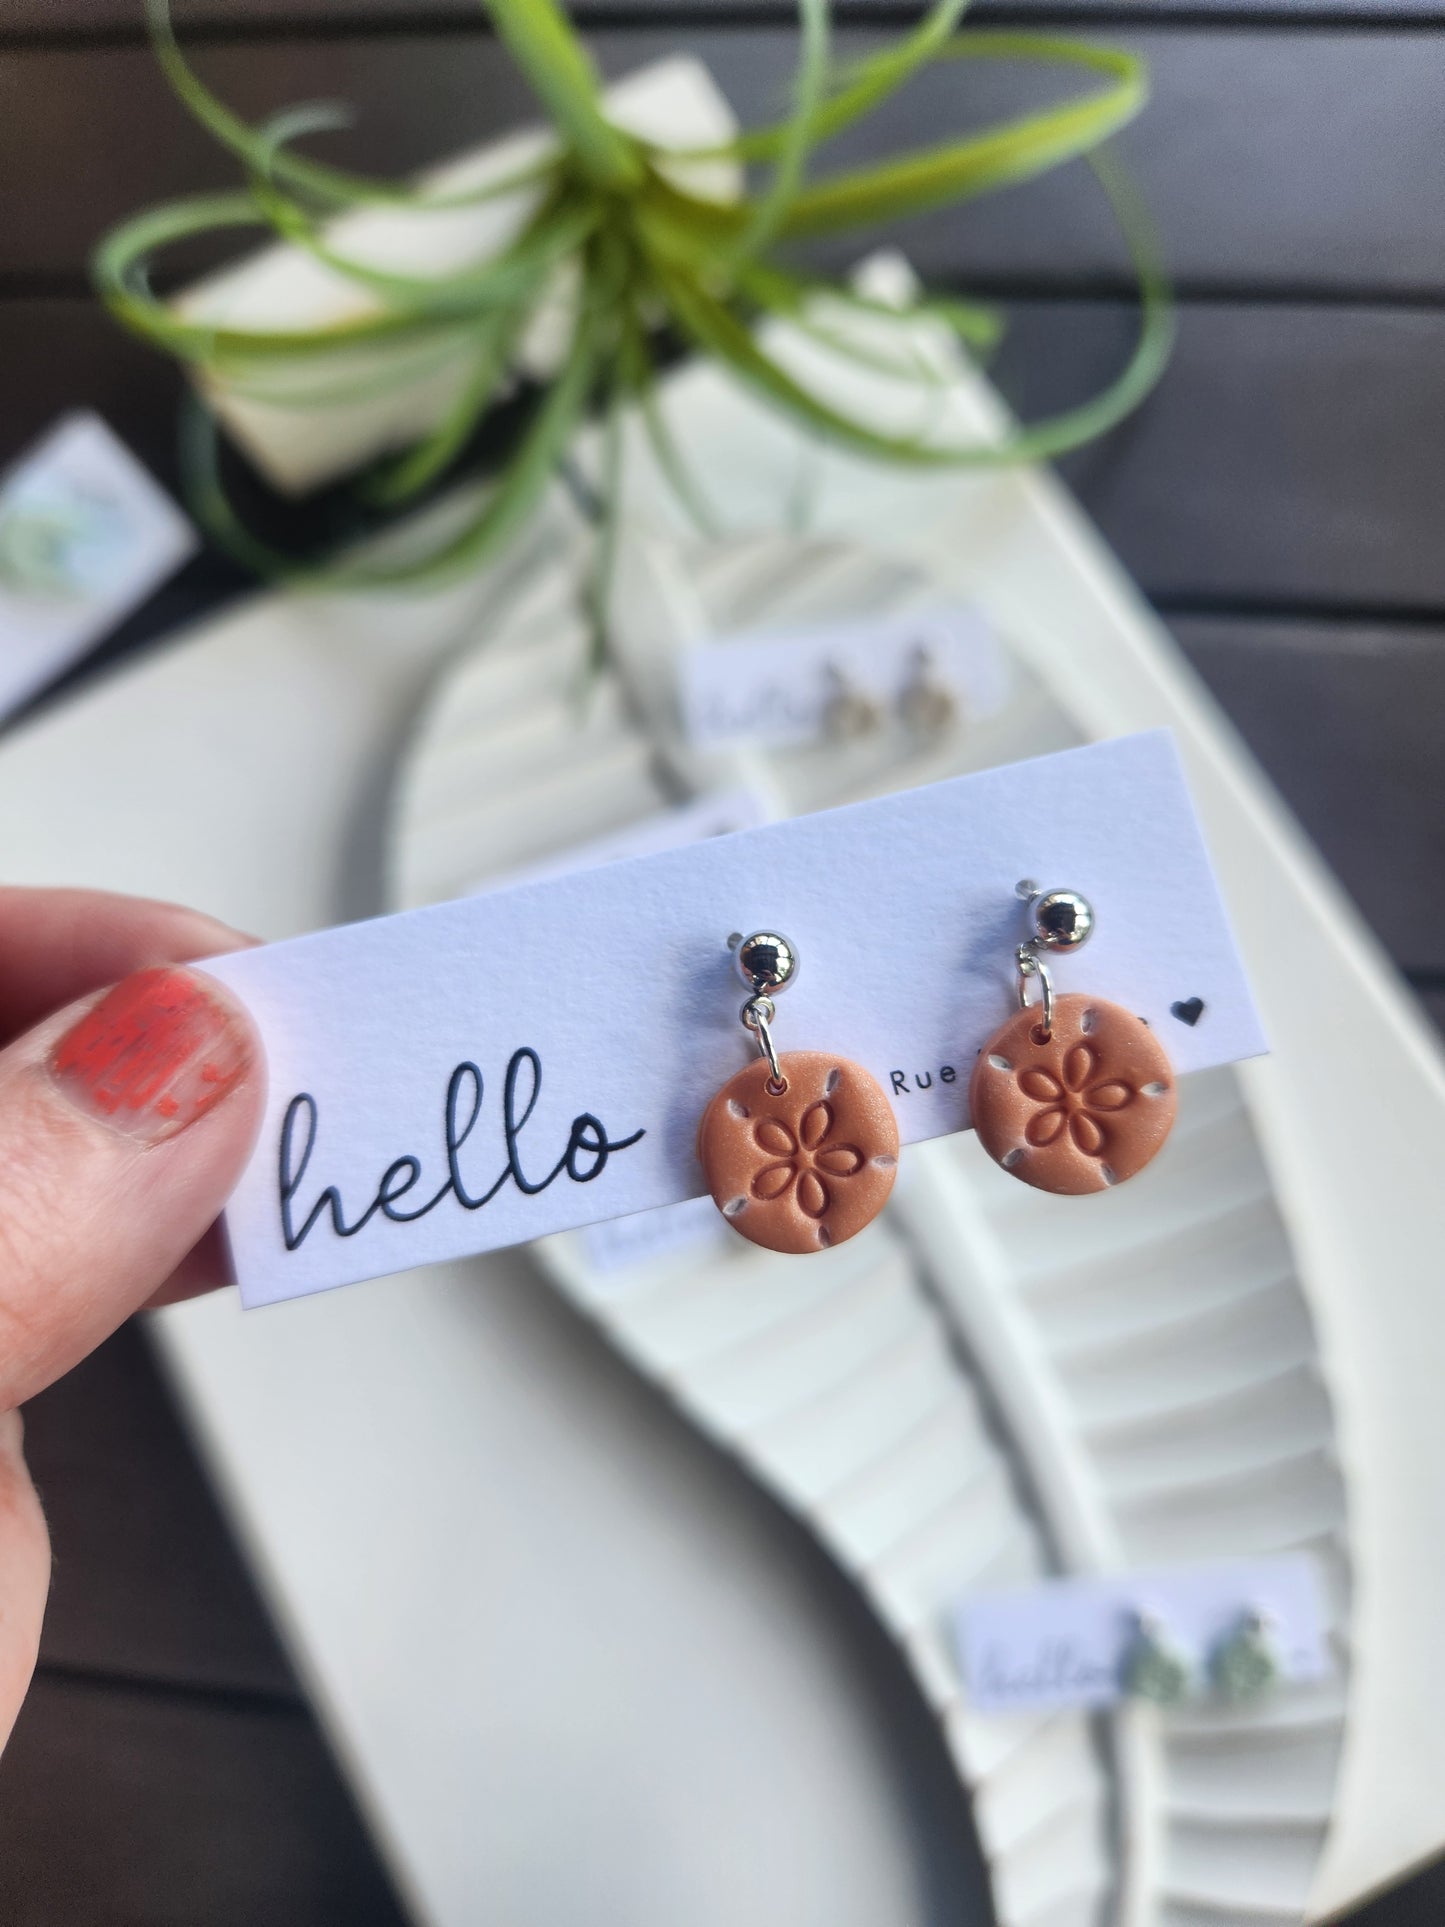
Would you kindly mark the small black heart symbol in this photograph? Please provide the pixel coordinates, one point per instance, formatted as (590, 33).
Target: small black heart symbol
(1189, 1012)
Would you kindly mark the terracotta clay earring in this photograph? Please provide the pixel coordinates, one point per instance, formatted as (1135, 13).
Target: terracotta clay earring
(1073, 1093)
(799, 1150)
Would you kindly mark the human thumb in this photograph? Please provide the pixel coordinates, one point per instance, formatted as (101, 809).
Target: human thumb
(124, 1123)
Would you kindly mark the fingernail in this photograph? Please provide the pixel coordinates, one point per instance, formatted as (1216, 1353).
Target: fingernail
(157, 1052)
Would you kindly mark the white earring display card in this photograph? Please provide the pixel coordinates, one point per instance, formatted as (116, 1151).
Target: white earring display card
(776, 690)
(719, 813)
(1067, 1643)
(483, 1072)
(85, 535)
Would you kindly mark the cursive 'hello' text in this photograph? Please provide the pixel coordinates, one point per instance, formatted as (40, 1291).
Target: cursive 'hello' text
(585, 1157)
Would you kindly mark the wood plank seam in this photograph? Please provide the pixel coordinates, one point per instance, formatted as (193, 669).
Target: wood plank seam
(155, 1686)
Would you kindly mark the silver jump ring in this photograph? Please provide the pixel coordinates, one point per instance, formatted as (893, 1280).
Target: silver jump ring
(757, 1016)
(1031, 964)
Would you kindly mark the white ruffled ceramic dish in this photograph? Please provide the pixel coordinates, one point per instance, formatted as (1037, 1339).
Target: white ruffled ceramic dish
(992, 1383)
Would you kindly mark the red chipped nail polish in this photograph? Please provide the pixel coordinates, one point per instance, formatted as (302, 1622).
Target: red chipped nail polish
(156, 1053)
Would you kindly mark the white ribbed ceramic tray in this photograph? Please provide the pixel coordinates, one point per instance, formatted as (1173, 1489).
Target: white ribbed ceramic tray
(991, 1384)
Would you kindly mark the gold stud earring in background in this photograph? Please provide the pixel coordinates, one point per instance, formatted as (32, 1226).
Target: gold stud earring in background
(928, 705)
(849, 711)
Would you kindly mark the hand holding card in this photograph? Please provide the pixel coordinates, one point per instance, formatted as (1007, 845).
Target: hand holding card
(488, 1071)
(125, 1117)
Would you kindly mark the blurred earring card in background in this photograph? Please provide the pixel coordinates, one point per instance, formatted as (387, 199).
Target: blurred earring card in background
(483, 1072)
(86, 534)
(1065, 1642)
(774, 690)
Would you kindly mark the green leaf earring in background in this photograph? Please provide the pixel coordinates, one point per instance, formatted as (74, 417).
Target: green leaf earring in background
(1245, 1665)
(1154, 1668)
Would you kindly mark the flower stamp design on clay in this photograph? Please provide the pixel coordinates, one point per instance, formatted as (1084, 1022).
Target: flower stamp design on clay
(1080, 1108)
(1077, 1100)
(806, 1159)
(804, 1167)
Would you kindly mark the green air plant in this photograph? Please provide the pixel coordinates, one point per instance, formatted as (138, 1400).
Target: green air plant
(648, 261)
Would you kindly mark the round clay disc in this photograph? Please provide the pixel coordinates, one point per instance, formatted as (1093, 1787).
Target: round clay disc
(1083, 1111)
(805, 1168)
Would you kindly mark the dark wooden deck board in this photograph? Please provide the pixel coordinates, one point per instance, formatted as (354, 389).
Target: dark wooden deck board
(1268, 157)
(1349, 722)
(128, 1807)
(1293, 459)
(147, 1583)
